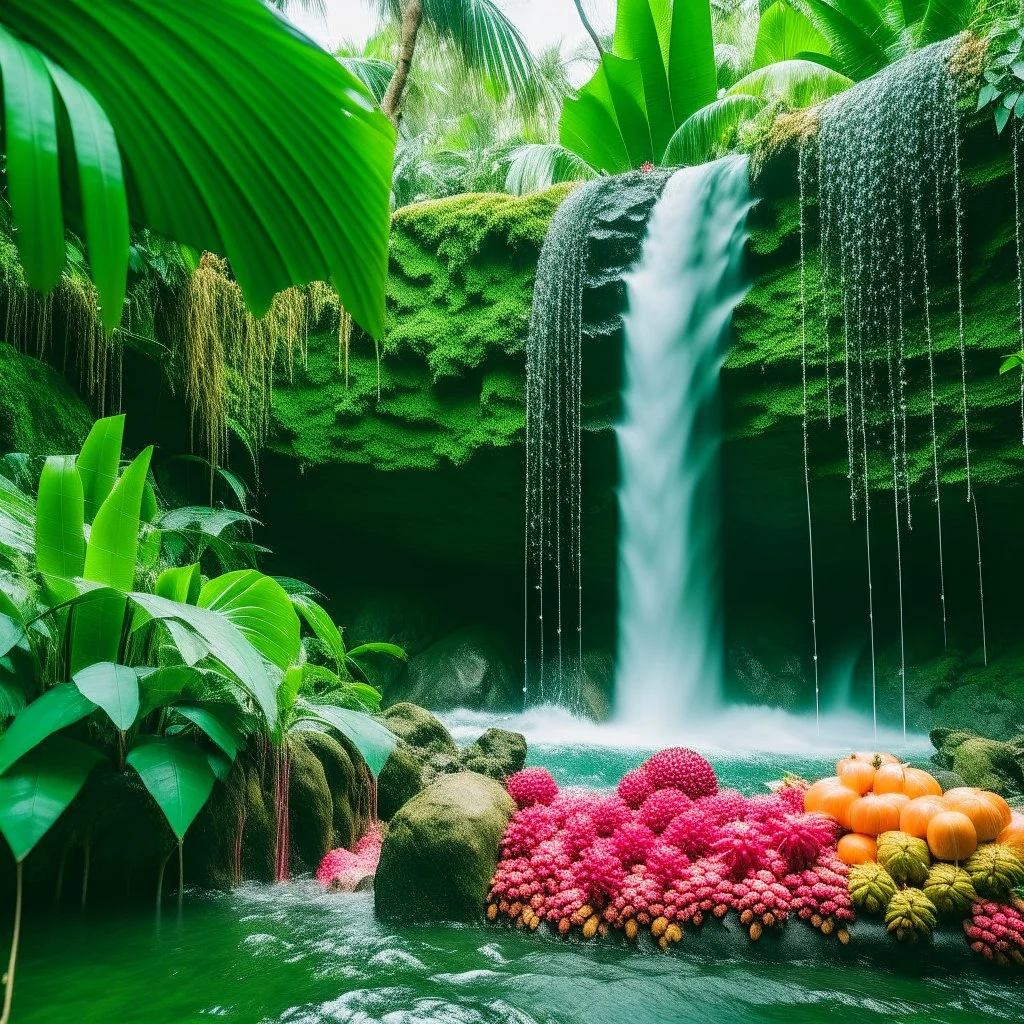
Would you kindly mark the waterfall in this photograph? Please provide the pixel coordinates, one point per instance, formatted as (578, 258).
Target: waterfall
(681, 298)
(612, 210)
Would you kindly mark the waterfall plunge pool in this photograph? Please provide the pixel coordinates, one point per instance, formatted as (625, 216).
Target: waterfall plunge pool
(294, 953)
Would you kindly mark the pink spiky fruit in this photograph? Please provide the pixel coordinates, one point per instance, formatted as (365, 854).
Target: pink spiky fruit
(531, 786)
(658, 810)
(683, 769)
(635, 787)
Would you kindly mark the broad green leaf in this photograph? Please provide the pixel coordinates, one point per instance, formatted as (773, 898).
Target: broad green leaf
(228, 644)
(944, 18)
(797, 83)
(110, 559)
(692, 75)
(1012, 362)
(36, 791)
(589, 127)
(17, 518)
(636, 38)
(626, 89)
(783, 33)
(218, 727)
(322, 624)
(217, 149)
(104, 203)
(262, 611)
(114, 688)
(539, 165)
(11, 633)
(373, 740)
(291, 684)
(181, 583)
(368, 696)
(392, 650)
(852, 50)
(60, 519)
(166, 685)
(55, 709)
(220, 764)
(32, 164)
(708, 133)
(177, 775)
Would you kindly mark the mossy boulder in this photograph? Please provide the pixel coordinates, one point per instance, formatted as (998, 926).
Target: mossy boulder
(400, 780)
(310, 807)
(987, 764)
(346, 784)
(498, 754)
(441, 851)
(420, 729)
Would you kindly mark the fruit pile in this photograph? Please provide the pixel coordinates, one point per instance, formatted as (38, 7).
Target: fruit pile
(664, 853)
(669, 850)
(917, 855)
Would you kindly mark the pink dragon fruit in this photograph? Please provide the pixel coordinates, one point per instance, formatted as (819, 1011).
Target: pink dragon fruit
(531, 786)
(694, 831)
(742, 846)
(682, 769)
(635, 787)
(608, 813)
(632, 842)
(658, 810)
(800, 838)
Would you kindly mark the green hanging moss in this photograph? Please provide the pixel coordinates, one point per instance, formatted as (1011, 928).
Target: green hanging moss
(451, 365)
(39, 412)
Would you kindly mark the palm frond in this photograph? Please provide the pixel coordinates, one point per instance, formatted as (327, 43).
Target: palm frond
(796, 83)
(539, 165)
(709, 132)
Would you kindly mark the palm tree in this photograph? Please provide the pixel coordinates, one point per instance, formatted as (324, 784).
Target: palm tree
(477, 30)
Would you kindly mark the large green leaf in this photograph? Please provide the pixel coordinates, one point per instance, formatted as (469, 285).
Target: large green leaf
(17, 518)
(784, 33)
(99, 462)
(944, 18)
(104, 202)
(692, 74)
(36, 791)
(707, 133)
(539, 165)
(797, 83)
(220, 636)
(262, 611)
(180, 583)
(391, 650)
(636, 38)
(626, 89)
(316, 617)
(178, 776)
(32, 164)
(165, 685)
(60, 519)
(114, 688)
(373, 740)
(55, 709)
(217, 108)
(589, 127)
(110, 559)
(11, 633)
(852, 50)
(217, 725)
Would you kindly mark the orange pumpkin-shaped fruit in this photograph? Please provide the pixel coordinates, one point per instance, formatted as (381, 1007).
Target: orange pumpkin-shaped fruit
(871, 815)
(817, 792)
(855, 848)
(856, 775)
(837, 803)
(1004, 807)
(1013, 835)
(986, 815)
(875, 757)
(952, 836)
(917, 813)
(917, 782)
(890, 778)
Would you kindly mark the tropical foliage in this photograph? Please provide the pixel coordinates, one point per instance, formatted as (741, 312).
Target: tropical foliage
(119, 655)
(153, 110)
(1003, 86)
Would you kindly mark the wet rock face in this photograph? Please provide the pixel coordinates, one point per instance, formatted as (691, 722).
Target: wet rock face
(498, 754)
(987, 764)
(441, 850)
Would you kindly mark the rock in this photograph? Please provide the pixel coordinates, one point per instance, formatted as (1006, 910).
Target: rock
(441, 851)
(419, 728)
(346, 783)
(470, 668)
(400, 780)
(988, 764)
(310, 807)
(498, 754)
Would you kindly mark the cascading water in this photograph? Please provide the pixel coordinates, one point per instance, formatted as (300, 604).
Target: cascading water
(613, 210)
(681, 298)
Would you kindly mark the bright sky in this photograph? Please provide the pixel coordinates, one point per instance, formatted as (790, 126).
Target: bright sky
(542, 22)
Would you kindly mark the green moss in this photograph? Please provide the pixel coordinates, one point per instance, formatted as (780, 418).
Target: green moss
(39, 412)
(451, 364)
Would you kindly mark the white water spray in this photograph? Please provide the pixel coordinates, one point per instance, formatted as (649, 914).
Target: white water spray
(681, 298)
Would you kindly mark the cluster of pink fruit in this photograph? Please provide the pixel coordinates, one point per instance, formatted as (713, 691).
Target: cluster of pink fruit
(344, 870)
(664, 852)
(996, 930)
